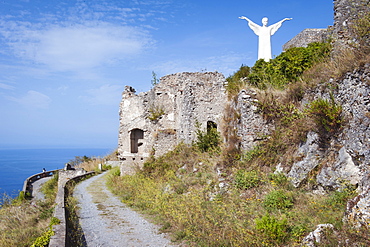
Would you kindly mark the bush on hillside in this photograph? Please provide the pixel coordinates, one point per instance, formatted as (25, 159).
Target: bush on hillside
(288, 66)
(327, 115)
(237, 81)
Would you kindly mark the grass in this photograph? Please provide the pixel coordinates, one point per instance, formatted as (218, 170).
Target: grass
(92, 164)
(75, 235)
(22, 222)
(190, 204)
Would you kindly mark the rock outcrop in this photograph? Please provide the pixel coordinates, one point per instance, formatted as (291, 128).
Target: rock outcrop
(347, 158)
(307, 36)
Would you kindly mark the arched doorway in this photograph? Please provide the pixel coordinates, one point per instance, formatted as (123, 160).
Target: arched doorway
(211, 125)
(135, 136)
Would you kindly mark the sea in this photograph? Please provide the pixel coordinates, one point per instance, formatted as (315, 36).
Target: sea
(16, 165)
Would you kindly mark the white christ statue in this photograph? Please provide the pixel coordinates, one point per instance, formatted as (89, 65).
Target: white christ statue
(264, 33)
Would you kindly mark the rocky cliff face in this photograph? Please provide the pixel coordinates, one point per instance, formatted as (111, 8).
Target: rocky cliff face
(347, 159)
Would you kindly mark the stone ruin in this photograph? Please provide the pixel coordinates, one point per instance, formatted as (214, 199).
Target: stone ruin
(154, 122)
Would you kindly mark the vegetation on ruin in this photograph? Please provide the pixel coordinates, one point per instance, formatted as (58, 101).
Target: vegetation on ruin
(23, 224)
(208, 140)
(155, 113)
(237, 81)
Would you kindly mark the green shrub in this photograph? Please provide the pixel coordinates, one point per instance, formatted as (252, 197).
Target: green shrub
(273, 229)
(155, 113)
(339, 198)
(106, 167)
(116, 172)
(45, 238)
(19, 199)
(236, 81)
(278, 199)
(54, 221)
(278, 178)
(252, 153)
(208, 140)
(274, 110)
(246, 179)
(172, 161)
(326, 114)
(288, 66)
(50, 187)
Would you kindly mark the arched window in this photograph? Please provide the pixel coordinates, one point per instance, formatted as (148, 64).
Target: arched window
(211, 125)
(135, 136)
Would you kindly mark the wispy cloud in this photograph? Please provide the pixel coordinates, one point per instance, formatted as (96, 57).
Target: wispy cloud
(81, 37)
(33, 99)
(6, 86)
(72, 48)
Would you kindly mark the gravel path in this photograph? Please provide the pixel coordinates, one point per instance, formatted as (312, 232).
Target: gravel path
(106, 221)
(36, 188)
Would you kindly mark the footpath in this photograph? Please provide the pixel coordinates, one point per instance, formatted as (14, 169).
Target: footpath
(106, 221)
(37, 193)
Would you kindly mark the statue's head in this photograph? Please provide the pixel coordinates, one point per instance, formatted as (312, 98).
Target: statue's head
(265, 20)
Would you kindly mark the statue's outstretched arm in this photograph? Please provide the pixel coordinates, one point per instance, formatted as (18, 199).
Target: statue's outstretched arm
(244, 18)
(277, 25)
(252, 25)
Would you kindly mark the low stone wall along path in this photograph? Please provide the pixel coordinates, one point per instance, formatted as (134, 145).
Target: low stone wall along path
(106, 221)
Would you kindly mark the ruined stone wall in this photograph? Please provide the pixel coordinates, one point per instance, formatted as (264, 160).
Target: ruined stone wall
(346, 12)
(168, 113)
(251, 126)
(307, 36)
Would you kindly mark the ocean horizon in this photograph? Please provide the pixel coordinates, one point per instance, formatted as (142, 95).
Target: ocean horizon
(16, 165)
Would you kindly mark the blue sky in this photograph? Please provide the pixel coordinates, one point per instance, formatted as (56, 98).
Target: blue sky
(64, 63)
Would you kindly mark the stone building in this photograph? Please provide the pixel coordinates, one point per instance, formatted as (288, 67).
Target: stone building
(154, 122)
